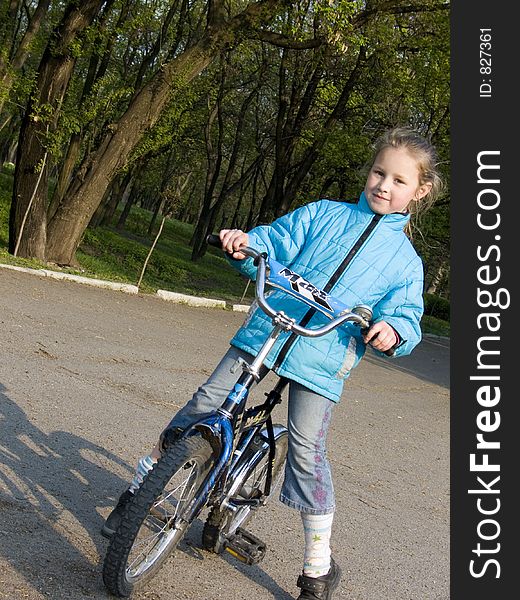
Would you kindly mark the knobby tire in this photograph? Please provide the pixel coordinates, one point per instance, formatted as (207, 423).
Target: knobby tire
(151, 512)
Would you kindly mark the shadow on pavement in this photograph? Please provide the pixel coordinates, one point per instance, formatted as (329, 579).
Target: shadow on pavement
(429, 361)
(51, 486)
(192, 547)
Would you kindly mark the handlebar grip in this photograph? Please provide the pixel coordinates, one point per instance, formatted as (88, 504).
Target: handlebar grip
(390, 351)
(214, 240)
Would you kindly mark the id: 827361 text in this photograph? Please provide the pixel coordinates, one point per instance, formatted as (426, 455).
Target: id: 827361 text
(485, 63)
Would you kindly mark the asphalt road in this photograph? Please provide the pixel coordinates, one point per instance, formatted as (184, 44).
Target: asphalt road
(88, 378)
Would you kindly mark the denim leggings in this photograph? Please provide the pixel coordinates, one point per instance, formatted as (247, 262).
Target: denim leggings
(307, 484)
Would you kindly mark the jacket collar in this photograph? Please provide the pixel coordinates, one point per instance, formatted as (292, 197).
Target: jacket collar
(396, 220)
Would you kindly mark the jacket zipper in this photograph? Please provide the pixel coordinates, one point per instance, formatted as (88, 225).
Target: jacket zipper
(329, 285)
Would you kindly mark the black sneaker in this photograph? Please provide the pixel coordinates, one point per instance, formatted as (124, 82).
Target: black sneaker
(319, 588)
(114, 518)
(168, 437)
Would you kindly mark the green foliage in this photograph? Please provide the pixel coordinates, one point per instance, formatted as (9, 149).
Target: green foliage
(403, 79)
(435, 326)
(436, 306)
(335, 20)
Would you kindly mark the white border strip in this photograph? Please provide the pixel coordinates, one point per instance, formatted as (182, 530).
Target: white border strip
(130, 289)
(190, 300)
(122, 287)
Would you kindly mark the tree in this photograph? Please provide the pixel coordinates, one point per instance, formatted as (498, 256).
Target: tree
(308, 86)
(15, 48)
(224, 167)
(27, 225)
(58, 240)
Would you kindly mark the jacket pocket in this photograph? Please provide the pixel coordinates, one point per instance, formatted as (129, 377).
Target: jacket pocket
(350, 359)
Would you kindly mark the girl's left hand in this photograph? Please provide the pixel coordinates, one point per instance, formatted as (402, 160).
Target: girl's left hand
(381, 336)
(232, 240)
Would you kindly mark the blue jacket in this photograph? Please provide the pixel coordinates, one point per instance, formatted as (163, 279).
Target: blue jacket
(385, 273)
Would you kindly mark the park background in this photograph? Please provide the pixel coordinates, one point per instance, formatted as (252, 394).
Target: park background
(130, 129)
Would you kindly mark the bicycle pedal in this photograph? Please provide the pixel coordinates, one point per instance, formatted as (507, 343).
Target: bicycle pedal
(246, 547)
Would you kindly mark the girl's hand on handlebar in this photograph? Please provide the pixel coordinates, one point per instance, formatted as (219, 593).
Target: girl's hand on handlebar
(232, 240)
(381, 336)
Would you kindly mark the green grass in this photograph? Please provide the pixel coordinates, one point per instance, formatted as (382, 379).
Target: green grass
(435, 326)
(106, 253)
(119, 255)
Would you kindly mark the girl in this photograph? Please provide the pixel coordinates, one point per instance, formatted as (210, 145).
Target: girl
(361, 253)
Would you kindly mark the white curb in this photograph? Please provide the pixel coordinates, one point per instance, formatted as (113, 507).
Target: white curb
(122, 287)
(130, 289)
(190, 300)
(22, 269)
(241, 307)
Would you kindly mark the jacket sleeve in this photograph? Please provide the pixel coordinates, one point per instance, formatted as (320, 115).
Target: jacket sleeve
(282, 240)
(402, 308)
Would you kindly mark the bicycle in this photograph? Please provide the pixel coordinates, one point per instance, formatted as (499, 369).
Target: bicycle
(229, 461)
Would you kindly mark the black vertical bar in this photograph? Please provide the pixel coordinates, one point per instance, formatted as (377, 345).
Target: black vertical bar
(484, 403)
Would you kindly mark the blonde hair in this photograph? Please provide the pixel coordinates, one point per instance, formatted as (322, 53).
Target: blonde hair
(427, 159)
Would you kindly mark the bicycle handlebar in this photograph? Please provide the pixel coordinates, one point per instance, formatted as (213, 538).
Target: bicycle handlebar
(359, 315)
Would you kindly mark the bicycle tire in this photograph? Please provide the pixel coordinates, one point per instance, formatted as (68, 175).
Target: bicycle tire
(223, 522)
(152, 515)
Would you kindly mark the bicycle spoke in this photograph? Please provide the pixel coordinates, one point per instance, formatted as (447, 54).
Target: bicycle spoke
(151, 530)
(143, 553)
(159, 526)
(172, 498)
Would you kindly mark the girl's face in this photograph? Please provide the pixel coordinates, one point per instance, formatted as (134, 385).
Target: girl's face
(393, 182)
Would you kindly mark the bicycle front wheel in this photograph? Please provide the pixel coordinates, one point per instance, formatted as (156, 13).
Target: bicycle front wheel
(153, 525)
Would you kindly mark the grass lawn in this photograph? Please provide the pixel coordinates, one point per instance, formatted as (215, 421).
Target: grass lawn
(106, 253)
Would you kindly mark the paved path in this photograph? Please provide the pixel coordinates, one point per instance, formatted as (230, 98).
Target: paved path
(89, 376)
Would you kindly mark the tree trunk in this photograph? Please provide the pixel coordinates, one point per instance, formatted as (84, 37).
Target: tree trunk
(312, 153)
(65, 175)
(251, 219)
(30, 183)
(190, 208)
(83, 197)
(283, 189)
(97, 217)
(9, 144)
(199, 238)
(159, 205)
(127, 198)
(27, 217)
(96, 70)
(72, 217)
(214, 157)
(437, 278)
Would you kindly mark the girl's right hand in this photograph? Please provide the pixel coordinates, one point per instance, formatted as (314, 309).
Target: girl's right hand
(381, 336)
(232, 240)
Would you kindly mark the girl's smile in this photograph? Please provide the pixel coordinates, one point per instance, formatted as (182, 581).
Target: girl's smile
(393, 182)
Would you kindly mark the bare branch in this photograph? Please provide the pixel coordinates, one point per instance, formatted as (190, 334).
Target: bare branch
(276, 39)
(393, 7)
